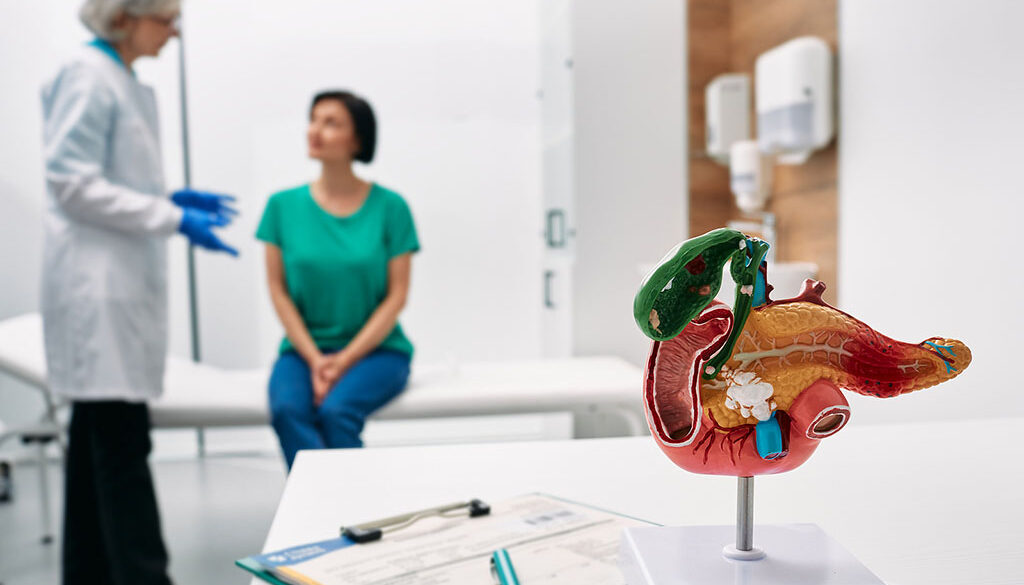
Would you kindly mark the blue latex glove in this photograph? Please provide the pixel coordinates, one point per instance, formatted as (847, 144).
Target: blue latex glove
(203, 201)
(198, 228)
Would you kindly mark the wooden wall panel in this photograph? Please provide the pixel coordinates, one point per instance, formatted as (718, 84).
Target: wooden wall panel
(709, 24)
(803, 196)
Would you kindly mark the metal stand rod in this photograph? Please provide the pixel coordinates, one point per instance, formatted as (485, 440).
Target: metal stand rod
(745, 514)
(744, 549)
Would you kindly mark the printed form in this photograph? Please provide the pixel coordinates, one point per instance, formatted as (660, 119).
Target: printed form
(549, 541)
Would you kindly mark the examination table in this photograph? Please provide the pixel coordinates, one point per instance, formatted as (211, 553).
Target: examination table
(603, 393)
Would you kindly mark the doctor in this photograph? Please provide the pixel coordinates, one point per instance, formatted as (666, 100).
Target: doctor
(104, 293)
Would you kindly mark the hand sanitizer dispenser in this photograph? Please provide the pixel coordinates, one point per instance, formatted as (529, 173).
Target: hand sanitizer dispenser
(794, 99)
(750, 176)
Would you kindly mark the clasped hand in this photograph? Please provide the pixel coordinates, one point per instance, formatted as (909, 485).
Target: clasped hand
(325, 371)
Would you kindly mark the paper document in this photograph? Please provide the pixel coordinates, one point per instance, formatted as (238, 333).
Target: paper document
(548, 540)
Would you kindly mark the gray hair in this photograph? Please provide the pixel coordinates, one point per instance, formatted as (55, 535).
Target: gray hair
(98, 15)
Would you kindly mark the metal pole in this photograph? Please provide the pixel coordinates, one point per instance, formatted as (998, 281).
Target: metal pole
(193, 304)
(745, 514)
(193, 301)
(44, 490)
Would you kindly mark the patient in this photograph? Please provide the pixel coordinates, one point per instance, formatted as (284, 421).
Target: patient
(338, 255)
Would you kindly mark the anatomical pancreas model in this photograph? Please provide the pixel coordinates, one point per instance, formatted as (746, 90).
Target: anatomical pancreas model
(750, 390)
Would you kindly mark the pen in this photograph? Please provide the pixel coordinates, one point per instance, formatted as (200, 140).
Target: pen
(501, 568)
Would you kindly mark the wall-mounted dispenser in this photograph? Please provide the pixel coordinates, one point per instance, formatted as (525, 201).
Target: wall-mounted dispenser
(750, 176)
(727, 111)
(794, 96)
(750, 180)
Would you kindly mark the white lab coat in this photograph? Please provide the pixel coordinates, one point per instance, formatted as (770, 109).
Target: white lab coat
(104, 289)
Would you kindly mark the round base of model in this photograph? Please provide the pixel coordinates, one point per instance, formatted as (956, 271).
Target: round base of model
(735, 554)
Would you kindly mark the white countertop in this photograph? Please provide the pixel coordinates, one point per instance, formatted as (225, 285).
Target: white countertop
(935, 503)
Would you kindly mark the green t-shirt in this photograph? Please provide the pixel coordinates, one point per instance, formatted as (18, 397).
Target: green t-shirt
(336, 268)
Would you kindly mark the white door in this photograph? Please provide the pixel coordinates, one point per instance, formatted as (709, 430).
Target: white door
(558, 138)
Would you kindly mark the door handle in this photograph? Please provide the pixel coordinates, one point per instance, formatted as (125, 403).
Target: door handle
(555, 239)
(548, 276)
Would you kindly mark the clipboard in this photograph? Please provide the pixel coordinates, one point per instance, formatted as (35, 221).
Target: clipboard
(374, 530)
(553, 540)
(268, 566)
(258, 570)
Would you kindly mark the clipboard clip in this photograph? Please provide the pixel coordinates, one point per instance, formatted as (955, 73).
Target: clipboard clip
(371, 531)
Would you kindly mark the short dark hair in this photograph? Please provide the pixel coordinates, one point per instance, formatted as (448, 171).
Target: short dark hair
(362, 118)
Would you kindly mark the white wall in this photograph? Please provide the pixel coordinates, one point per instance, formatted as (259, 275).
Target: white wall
(630, 102)
(930, 190)
(453, 83)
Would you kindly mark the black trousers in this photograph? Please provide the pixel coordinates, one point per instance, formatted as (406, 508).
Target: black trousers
(111, 521)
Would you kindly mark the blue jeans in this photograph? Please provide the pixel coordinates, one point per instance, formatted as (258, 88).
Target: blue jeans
(337, 423)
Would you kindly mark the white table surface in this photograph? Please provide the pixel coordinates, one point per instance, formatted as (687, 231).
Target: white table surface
(936, 503)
